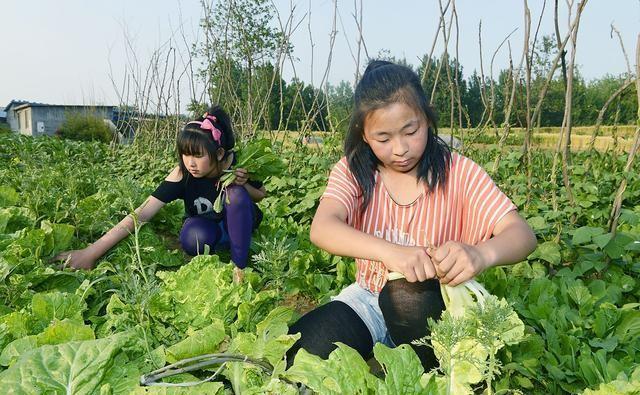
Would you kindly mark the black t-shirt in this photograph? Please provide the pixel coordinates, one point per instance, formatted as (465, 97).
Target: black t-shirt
(198, 195)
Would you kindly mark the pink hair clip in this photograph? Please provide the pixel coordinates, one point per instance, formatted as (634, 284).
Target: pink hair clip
(207, 124)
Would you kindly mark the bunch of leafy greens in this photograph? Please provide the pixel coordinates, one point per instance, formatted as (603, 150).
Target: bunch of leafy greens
(467, 338)
(260, 161)
(622, 385)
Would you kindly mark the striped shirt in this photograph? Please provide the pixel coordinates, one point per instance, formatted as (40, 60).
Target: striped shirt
(465, 210)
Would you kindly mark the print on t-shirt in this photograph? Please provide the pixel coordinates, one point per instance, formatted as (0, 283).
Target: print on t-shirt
(203, 205)
(395, 236)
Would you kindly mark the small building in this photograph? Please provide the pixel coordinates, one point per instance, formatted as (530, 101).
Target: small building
(38, 119)
(3, 118)
(12, 120)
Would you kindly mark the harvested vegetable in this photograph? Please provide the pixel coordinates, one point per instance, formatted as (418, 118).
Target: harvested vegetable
(259, 160)
(468, 336)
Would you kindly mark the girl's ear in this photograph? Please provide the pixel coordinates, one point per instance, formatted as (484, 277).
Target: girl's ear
(220, 153)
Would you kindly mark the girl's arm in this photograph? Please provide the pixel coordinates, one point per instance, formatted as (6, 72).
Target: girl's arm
(512, 241)
(87, 257)
(331, 232)
(256, 194)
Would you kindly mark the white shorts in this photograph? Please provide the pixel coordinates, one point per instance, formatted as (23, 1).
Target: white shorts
(365, 304)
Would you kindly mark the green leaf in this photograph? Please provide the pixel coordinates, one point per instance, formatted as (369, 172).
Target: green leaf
(62, 235)
(275, 324)
(8, 196)
(80, 367)
(47, 307)
(537, 223)
(605, 319)
(203, 341)
(18, 347)
(583, 235)
(578, 292)
(197, 293)
(17, 323)
(628, 327)
(64, 331)
(402, 367)
(616, 247)
(19, 218)
(608, 344)
(344, 372)
(258, 158)
(271, 340)
(57, 333)
(524, 382)
(253, 311)
(548, 251)
(622, 385)
(633, 246)
(5, 216)
(602, 240)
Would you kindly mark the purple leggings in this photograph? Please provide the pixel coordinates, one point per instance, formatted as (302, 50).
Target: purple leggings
(237, 224)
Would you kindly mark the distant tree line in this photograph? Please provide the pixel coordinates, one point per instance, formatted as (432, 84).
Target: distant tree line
(244, 56)
(289, 105)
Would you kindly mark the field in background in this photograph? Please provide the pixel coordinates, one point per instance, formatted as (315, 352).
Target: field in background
(547, 138)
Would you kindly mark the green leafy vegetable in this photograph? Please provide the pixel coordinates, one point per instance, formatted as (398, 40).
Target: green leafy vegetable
(79, 367)
(203, 341)
(259, 160)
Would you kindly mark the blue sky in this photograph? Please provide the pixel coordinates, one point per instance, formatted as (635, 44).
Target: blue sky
(72, 51)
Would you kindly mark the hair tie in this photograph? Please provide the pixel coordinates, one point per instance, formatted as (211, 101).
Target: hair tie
(207, 124)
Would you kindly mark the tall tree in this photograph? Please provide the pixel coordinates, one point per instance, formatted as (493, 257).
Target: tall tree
(340, 104)
(240, 46)
(441, 95)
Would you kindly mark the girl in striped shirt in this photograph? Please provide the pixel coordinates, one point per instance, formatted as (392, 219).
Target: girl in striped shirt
(400, 201)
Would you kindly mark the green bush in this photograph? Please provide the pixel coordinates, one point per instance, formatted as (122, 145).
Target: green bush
(85, 128)
(4, 128)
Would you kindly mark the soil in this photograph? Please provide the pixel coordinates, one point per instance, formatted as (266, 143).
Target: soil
(300, 303)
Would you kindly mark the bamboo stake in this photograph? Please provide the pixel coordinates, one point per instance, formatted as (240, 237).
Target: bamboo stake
(568, 112)
(628, 81)
(554, 65)
(617, 203)
(515, 79)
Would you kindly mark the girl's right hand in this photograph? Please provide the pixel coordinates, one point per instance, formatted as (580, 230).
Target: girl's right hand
(413, 262)
(77, 259)
(242, 176)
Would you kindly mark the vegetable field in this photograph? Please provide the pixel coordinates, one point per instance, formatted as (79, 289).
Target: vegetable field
(147, 305)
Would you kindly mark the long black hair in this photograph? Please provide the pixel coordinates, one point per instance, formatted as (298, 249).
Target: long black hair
(384, 83)
(193, 140)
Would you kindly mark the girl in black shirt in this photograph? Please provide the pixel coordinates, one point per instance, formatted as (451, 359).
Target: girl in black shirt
(204, 150)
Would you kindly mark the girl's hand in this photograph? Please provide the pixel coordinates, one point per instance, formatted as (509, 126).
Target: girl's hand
(413, 262)
(76, 259)
(242, 176)
(457, 262)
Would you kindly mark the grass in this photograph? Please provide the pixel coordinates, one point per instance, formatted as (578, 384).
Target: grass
(626, 131)
(580, 142)
(549, 140)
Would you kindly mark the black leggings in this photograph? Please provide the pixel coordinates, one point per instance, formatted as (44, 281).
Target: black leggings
(405, 307)
(330, 323)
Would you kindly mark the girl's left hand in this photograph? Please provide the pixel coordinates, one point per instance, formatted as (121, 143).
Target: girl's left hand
(242, 176)
(457, 262)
